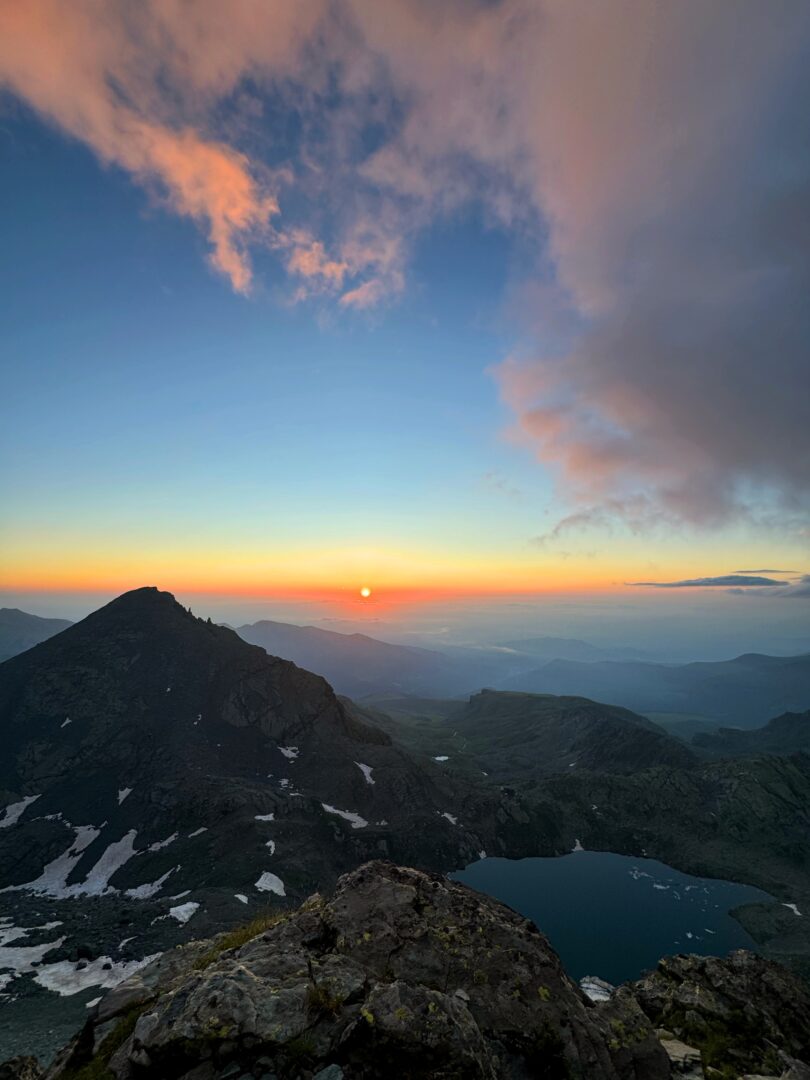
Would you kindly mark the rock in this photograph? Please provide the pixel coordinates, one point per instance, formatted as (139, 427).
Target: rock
(685, 1059)
(404, 973)
(797, 1070)
(400, 972)
(132, 991)
(21, 1068)
(744, 1012)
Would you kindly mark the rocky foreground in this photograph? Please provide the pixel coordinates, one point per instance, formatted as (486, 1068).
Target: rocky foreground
(404, 973)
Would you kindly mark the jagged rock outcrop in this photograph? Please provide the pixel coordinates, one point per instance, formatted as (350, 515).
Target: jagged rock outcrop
(400, 972)
(744, 1013)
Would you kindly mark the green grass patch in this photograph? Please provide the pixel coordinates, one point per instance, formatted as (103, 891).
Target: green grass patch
(240, 935)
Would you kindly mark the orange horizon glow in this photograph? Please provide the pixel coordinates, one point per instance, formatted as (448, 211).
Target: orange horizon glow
(339, 574)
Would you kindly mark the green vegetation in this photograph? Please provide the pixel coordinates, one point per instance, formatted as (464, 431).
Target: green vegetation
(237, 937)
(321, 1000)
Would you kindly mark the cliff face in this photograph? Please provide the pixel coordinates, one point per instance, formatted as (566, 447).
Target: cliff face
(404, 973)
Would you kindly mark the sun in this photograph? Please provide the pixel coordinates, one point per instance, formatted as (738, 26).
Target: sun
(365, 592)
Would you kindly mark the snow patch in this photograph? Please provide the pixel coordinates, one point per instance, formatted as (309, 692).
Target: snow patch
(21, 958)
(793, 908)
(152, 888)
(66, 977)
(482, 854)
(366, 770)
(271, 846)
(65, 722)
(449, 817)
(53, 879)
(595, 988)
(290, 752)
(271, 883)
(122, 794)
(16, 809)
(445, 757)
(183, 912)
(348, 815)
(197, 832)
(577, 845)
(158, 844)
(241, 897)
(265, 817)
(112, 859)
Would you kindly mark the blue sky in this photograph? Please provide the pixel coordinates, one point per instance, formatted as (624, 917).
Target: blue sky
(451, 301)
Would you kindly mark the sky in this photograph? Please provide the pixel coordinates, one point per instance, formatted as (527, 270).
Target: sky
(479, 299)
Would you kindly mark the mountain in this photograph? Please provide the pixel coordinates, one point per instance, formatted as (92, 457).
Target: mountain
(354, 663)
(745, 691)
(160, 778)
(20, 631)
(514, 737)
(785, 734)
(362, 666)
(407, 974)
(155, 722)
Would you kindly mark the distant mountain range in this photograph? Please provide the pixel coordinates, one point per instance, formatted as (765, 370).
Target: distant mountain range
(558, 648)
(745, 691)
(20, 631)
(358, 665)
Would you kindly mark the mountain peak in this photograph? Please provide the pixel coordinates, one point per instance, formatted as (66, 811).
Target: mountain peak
(144, 598)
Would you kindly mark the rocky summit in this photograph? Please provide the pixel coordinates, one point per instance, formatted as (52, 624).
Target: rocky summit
(404, 973)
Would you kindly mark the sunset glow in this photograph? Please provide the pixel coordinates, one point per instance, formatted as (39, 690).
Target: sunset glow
(266, 341)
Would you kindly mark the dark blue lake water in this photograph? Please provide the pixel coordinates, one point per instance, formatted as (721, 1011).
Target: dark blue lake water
(615, 916)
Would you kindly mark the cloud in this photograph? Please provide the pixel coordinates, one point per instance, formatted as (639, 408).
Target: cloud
(736, 580)
(766, 571)
(654, 157)
(799, 591)
(138, 84)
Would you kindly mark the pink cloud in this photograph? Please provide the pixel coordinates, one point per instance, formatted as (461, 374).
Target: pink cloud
(135, 83)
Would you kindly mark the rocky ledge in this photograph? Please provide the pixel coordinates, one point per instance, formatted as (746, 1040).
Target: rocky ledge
(404, 973)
